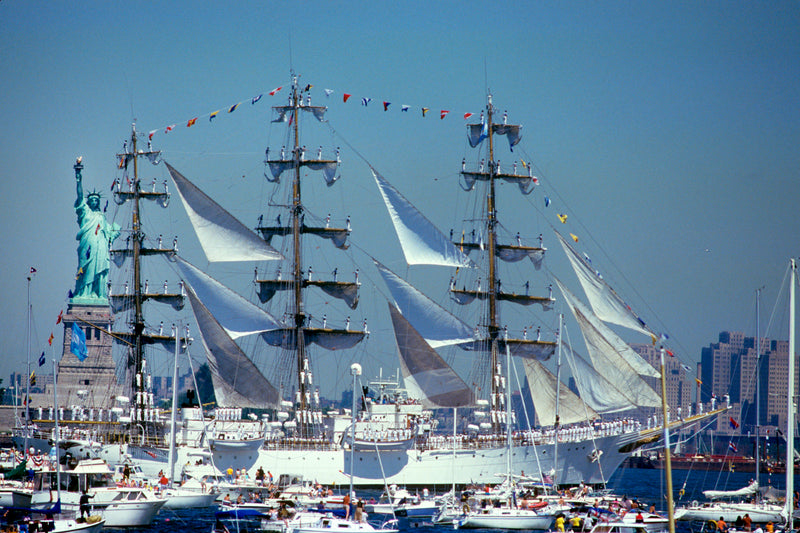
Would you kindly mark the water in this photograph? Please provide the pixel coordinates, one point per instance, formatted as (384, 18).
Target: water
(648, 486)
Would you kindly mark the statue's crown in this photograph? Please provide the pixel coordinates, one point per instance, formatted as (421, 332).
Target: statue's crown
(94, 193)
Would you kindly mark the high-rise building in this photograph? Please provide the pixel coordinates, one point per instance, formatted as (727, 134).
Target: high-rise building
(679, 388)
(729, 372)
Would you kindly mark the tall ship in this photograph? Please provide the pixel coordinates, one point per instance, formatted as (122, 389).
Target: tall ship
(271, 417)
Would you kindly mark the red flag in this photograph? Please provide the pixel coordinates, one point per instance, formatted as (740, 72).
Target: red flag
(50, 340)
(150, 135)
(346, 96)
(169, 128)
(669, 353)
(467, 115)
(191, 122)
(60, 317)
(273, 91)
(386, 106)
(443, 113)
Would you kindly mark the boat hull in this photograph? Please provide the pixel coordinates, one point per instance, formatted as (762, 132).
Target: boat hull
(504, 519)
(759, 513)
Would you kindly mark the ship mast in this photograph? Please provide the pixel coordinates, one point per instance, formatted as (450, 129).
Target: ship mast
(138, 319)
(491, 214)
(297, 222)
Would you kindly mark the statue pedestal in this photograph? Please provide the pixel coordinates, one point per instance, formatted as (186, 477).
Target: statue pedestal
(96, 375)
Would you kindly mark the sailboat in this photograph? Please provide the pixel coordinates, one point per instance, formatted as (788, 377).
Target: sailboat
(572, 446)
(395, 439)
(735, 503)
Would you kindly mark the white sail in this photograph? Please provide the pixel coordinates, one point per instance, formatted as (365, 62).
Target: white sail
(422, 242)
(618, 362)
(222, 236)
(606, 303)
(426, 375)
(237, 381)
(593, 387)
(237, 316)
(435, 324)
(620, 347)
(542, 384)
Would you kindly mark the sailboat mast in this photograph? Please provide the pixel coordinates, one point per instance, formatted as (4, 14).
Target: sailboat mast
(491, 217)
(758, 385)
(138, 318)
(297, 223)
(667, 459)
(790, 409)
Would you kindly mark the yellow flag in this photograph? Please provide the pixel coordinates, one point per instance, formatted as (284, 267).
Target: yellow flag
(524, 164)
(574, 237)
(698, 381)
(562, 218)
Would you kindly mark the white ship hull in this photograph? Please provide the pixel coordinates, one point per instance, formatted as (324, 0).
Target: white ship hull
(413, 467)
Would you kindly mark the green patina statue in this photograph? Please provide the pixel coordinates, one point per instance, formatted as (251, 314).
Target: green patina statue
(94, 242)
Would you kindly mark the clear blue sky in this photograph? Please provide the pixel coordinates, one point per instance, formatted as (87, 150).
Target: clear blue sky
(668, 131)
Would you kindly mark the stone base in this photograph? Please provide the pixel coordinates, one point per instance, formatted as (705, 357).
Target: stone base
(93, 381)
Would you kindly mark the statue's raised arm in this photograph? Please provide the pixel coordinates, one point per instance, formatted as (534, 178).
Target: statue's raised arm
(94, 237)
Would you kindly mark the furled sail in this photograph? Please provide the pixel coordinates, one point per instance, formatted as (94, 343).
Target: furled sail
(237, 381)
(435, 324)
(328, 168)
(337, 235)
(237, 316)
(595, 390)
(330, 339)
(606, 303)
(347, 291)
(543, 384)
(222, 237)
(120, 256)
(426, 375)
(509, 253)
(476, 133)
(526, 183)
(619, 363)
(465, 297)
(422, 242)
(123, 302)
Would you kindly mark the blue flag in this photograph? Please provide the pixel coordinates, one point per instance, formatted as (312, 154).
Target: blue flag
(78, 344)
(41, 359)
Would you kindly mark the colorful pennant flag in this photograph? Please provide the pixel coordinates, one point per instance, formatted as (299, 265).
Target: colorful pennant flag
(273, 91)
(574, 237)
(169, 128)
(32, 379)
(404, 108)
(467, 115)
(386, 105)
(424, 111)
(732, 447)
(698, 381)
(60, 317)
(669, 353)
(365, 101)
(734, 424)
(42, 359)
(213, 115)
(233, 108)
(308, 87)
(443, 113)
(328, 92)
(547, 201)
(150, 135)
(33, 270)
(191, 122)
(562, 218)
(50, 340)
(345, 96)
(256, 99)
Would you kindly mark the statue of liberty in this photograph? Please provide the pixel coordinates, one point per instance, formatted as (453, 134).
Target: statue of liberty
(94, 242)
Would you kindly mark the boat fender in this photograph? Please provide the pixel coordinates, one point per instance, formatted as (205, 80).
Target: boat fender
(465, 509)
(712, 525)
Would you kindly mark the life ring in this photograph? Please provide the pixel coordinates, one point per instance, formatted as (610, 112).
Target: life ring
(712, 525)
(465, 508)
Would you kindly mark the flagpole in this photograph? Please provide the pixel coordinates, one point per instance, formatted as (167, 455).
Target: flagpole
(28, 373)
